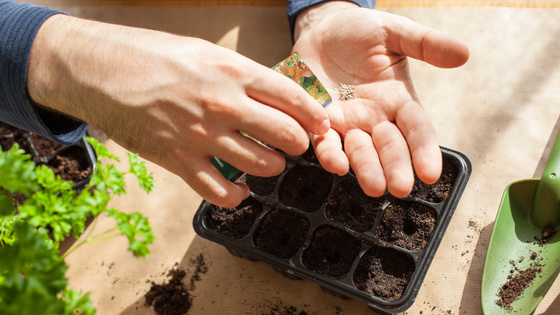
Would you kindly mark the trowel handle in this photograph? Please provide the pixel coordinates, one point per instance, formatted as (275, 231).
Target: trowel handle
(546, 205)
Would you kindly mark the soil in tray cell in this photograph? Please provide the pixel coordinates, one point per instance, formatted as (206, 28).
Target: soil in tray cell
(439, 191)
(331, 252)
(235, 222)
(282, 233)
(407, 224)
(261, 186)
(350, 206)
(305, 188)
(310, 156)
(384, 272)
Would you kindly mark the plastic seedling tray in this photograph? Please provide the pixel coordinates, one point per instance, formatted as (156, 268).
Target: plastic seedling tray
(310, 224)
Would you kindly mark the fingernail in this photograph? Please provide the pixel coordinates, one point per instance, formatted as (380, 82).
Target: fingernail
(247, 194)
(323, 127)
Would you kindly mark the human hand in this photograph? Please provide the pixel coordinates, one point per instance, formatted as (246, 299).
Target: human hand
(385, 124)
(177, 101)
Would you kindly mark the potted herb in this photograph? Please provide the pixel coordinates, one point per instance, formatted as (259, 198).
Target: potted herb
(39, 209)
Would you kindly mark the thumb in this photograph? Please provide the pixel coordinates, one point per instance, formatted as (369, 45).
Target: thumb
(423, 43)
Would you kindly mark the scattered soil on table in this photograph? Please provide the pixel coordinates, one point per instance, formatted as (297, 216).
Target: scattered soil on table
(236, 222)
(439, 191)
(331, 252)
(174, 297)
(384, 272)
(305, 188)
(350, 206)
(282, 233)
(407, 224)
(280, 309)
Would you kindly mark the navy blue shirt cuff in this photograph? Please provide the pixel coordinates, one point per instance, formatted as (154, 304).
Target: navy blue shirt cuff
(296, 6)
(19, 24)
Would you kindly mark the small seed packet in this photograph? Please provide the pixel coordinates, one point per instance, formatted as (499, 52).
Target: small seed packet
(294, 68)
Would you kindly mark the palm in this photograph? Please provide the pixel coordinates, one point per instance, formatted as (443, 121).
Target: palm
(385, 121)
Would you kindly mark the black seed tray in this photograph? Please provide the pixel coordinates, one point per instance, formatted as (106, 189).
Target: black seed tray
(399, 250)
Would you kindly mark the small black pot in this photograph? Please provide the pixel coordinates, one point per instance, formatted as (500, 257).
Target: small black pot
(55, 155)
(334, 235)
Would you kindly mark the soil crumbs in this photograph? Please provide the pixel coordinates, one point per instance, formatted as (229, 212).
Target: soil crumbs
(516, 284)
(174, 297)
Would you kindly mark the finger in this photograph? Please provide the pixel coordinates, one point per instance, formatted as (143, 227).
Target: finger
(415, 125)
(395, 158)
(328, 149)
(249, 156)
(424, 43)
(209, 183)
(365, 162)
(273, 127)
(280, 92)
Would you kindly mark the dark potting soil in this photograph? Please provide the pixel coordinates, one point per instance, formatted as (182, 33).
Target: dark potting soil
(305, 188)
(384, 272)
(439, 191)
(517, 282)
(174, 297)
(350, 206)
(236, 222)
(71, 164)
(10, 135)
(262, 186)
(310, 156)
(282, 233)
(331, 252)
(407, 224)
(43, 146)
(171, 298)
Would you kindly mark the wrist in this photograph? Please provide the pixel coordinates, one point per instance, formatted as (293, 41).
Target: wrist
(311, 17)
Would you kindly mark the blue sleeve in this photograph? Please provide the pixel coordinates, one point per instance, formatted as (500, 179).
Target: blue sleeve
(19, 23)
(296, 6)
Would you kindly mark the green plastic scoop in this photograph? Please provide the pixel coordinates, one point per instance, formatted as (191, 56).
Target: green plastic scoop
(527, 207)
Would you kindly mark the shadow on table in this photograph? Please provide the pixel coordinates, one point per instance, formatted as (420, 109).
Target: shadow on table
(239, 286)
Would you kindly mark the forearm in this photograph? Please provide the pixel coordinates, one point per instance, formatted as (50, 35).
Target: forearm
(20, 23)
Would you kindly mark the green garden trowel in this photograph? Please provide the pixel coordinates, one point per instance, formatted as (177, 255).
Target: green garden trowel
(527, 208)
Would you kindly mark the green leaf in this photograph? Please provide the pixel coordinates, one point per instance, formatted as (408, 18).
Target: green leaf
(6, 205)
(101, 150)
(32, 275)
(136, 228)
(18, 171)
(139, 169)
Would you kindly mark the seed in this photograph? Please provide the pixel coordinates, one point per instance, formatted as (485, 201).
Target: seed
(346, 92)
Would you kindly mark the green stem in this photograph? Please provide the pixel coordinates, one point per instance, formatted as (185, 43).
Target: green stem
(95, 239)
